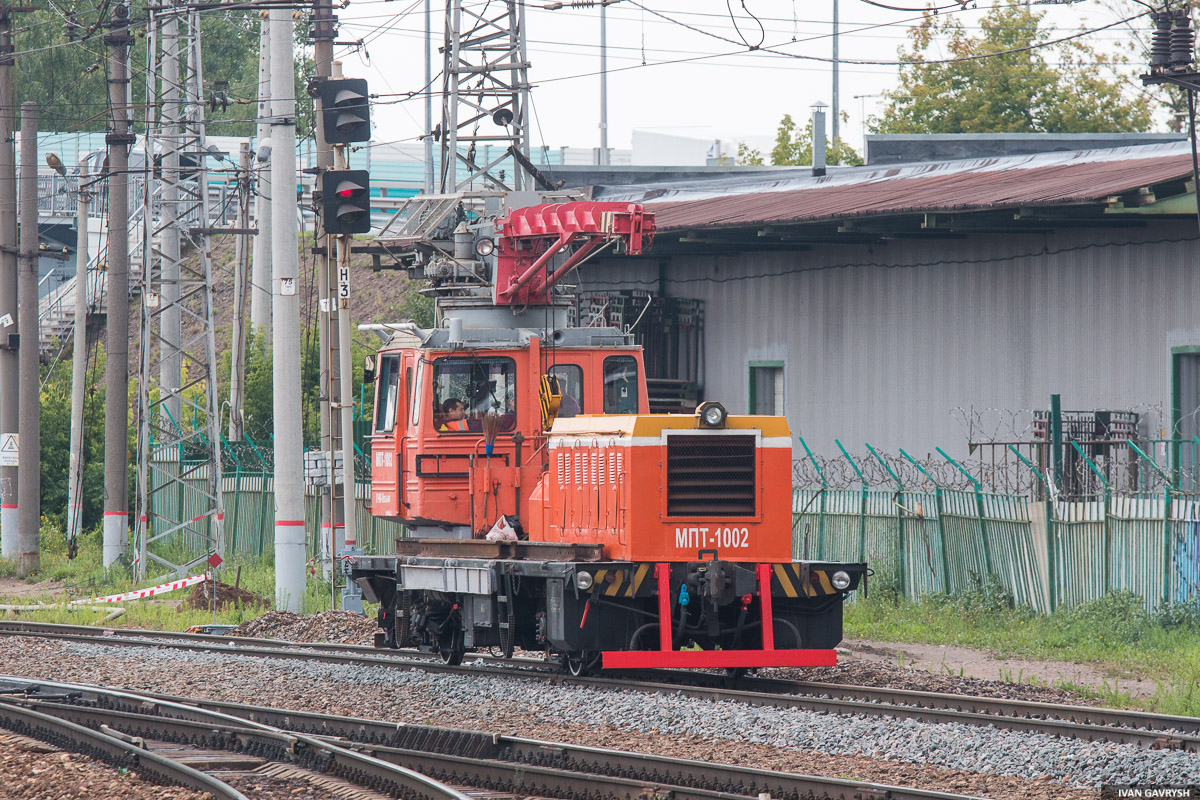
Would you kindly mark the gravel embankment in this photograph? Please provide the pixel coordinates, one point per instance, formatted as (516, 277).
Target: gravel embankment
(335, 627)
(874, 673)
(950, 757)
(342, 627)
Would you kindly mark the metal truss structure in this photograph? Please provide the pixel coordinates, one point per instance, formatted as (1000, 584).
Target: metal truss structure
(180, 508)
(484, 83)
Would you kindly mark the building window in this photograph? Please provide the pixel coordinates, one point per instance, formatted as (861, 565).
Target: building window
(570, 383)
(620, 385)
(388, 394)
(465, 390)
(766, 388)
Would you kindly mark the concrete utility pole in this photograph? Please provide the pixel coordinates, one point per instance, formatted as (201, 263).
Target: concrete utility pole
(603, 160)
(289, 487)
(79, 351)
(260, 283)
(29, 487)
(237, 360)
(837, 109)
(9, 314)
(428, 99)
(116, 375)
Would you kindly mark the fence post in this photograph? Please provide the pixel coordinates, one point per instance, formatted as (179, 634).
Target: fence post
(983, 532)
(1166, 521)
(1051, 552)
(1107, 508)
(862, 505)
(1166, 545)
(821, 505)
(937, 506)
(898, 501)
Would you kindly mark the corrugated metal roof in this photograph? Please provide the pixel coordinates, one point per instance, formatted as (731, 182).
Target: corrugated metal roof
(1037, 180)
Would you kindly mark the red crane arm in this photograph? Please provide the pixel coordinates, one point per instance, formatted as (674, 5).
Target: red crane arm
(529, 238)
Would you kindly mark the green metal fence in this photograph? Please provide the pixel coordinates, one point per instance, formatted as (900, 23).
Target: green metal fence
(923, 537)
(249, 499)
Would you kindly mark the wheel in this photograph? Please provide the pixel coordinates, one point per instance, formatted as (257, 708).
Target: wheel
(581, 664)
(451, 649)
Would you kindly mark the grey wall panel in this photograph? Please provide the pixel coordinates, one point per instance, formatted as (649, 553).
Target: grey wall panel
(901, 344)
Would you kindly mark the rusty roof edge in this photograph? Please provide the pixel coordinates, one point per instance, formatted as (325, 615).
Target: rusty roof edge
(756, 184)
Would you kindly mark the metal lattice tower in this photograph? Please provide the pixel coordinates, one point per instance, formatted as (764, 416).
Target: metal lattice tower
(485, 97)
(179, 439)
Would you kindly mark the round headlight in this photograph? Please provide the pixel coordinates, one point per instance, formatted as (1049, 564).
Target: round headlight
(712, 415)
(583, 580)
(840, 580)
(484, 247)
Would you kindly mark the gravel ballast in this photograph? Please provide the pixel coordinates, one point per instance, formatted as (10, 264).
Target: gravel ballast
(33, 772)
(950, 757)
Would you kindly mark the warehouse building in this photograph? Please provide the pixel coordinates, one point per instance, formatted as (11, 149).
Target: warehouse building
(896, 303)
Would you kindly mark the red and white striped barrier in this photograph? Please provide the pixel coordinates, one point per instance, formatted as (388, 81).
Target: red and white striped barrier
(141, 594)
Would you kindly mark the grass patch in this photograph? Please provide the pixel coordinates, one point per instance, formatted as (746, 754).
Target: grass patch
(84, 576)
(1114, 633)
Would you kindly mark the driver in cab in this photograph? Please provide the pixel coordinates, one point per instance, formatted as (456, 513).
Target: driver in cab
(454, 414)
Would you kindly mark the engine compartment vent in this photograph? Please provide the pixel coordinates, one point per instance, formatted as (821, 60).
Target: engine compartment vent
(711, 475)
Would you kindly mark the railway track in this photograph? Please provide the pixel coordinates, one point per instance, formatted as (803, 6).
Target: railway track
(369, 751)
(99, 722)
(1080, 722)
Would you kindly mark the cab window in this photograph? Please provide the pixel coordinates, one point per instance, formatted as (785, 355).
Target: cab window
(570, 383)
(387, 394)
(465, 390)
(620, 385)
(416, 396)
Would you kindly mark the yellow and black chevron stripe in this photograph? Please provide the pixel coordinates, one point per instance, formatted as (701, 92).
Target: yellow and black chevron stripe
(627, 580)
(797, 580)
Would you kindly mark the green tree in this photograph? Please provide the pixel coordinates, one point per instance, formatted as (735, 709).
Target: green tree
(793, 147)
(1055, 88)
(67, 78)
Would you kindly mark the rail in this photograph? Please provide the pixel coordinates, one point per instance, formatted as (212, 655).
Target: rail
(1079, 722)
(171, 721)
(111, 749)
(499, 763)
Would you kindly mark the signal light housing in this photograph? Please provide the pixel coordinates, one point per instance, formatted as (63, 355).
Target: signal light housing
(345, 110)
(346, 201)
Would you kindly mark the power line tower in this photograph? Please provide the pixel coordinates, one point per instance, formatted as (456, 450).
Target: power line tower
(485, 96)
(179, 437)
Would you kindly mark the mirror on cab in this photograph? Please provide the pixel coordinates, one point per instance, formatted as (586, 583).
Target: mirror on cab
(369, 369)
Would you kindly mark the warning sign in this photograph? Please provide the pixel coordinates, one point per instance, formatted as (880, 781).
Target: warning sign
(8, 449)
(6, 321)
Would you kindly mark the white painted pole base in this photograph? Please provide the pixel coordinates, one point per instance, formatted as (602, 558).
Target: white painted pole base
(115, 534)
(8, 531)
(290, 562)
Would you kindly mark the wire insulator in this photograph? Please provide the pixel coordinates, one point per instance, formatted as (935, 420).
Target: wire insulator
(1160, 42)
(1183, 41)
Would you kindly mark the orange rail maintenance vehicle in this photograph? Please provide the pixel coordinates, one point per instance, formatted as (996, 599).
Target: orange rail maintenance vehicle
(547, 509)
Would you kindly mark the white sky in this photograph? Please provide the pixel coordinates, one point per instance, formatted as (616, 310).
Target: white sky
(731, 96)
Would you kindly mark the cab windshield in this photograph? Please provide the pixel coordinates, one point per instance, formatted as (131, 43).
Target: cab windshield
(466, 390)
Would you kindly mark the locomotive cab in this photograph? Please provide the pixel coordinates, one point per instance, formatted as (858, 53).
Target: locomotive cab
(438, 403)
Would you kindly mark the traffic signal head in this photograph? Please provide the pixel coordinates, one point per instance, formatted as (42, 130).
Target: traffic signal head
(346, 201)
(345, 110)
